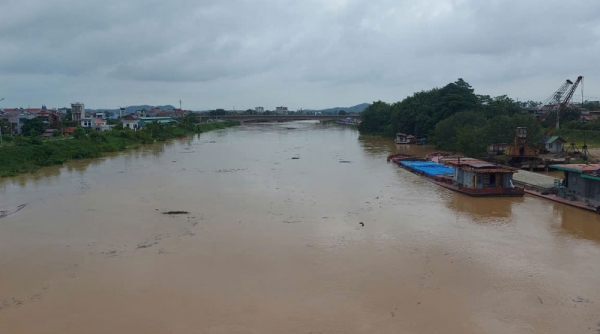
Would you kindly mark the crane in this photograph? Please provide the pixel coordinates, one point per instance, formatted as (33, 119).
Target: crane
(520, 152)
(563, 105)
(554, 99)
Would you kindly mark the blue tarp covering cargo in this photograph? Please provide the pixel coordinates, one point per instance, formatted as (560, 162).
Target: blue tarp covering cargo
(428, 167)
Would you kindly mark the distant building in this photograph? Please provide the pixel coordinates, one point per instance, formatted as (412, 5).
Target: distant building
(77, 111)
(131, 123)
(101, 124)
(552, 144)
(161, 120)
(16, 121)
(48, 133)
(178, 113)
(100, 115)
(141, 113)
(281, 110)
(259, 110)
(88, 123)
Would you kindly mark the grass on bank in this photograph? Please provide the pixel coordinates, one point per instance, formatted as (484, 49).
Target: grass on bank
(23, 154)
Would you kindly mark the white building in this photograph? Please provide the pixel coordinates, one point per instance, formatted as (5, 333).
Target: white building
(77, 111)
(552, 144)
(281, 110)
(259, 110)
(141, 113)
(100, 115)
(87, 123)
(130, 123)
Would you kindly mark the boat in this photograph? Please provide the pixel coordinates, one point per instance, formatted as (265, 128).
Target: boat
(403, 138)
(464, 175)
(395, 158)
(579, 187)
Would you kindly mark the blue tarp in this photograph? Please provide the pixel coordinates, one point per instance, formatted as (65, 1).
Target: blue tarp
(428, 167)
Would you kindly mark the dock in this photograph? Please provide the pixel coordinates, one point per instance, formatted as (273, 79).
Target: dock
(534, 181)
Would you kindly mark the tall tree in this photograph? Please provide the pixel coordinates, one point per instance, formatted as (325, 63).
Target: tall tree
(32, 127)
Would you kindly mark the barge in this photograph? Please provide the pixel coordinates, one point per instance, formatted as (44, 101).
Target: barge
(580, 186)
(471, 177)
(403, 138)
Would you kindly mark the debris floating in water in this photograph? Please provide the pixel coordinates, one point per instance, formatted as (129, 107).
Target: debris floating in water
(176, 213)
(4, 213)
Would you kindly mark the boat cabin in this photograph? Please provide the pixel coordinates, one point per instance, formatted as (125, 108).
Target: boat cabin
(581, 183)
(481, 176)
(403, 138)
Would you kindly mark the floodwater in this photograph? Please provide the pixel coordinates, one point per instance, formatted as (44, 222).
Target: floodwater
(273, 244)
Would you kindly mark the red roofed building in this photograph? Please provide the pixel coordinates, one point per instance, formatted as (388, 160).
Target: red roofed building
(179, 113)
(69, 130)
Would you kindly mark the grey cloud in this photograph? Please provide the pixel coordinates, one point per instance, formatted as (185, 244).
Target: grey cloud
(381, 49)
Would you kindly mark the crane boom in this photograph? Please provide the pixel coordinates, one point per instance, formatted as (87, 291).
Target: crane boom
(563, 105)
(555, 98)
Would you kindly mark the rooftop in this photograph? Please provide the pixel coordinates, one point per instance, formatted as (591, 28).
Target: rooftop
(478, 166)
(578, 168)
(551, 139)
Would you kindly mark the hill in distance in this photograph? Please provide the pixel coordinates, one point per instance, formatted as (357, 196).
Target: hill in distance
(354, 109)
(131, 109)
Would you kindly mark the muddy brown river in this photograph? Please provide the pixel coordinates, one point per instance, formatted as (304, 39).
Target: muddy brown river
(273, 243)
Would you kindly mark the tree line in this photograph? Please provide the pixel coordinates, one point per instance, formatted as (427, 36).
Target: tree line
(454, 118)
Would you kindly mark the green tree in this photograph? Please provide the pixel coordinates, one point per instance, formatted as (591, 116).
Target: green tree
(342, 112)
(446, 131)
(591, 105)
(218, 112)
(32, 127)
(469, 141)
(79, 133)
(375, 119)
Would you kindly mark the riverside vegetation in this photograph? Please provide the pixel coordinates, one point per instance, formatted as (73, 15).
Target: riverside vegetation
(456, 119)
(28, 154)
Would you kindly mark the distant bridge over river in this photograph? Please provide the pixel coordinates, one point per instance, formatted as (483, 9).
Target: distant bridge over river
(278, 118)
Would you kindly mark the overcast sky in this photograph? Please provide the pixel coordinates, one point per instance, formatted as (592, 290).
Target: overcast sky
(295, 53)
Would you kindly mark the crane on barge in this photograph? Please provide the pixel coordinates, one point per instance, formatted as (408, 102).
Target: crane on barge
(520, 152)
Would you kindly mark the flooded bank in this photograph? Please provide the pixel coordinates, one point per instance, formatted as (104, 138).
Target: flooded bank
(272, 243)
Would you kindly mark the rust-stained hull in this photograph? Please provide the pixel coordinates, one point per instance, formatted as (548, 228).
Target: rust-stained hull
(486, 192)
(558, 199)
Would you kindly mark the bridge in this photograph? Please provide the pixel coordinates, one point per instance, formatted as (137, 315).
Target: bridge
(277, 118)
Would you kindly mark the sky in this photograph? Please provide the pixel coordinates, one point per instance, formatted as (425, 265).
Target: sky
(309, 54)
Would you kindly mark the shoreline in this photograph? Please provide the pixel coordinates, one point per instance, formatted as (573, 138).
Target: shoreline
(30, 157)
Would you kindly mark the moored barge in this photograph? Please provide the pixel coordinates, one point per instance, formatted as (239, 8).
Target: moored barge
(467, 176)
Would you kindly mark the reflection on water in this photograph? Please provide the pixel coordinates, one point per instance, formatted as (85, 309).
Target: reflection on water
(581, 223)
(480, 209)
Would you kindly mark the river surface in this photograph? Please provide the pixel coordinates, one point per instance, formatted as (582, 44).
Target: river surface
(273, 244)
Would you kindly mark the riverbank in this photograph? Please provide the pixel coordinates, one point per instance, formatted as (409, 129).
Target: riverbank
(27, 155)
